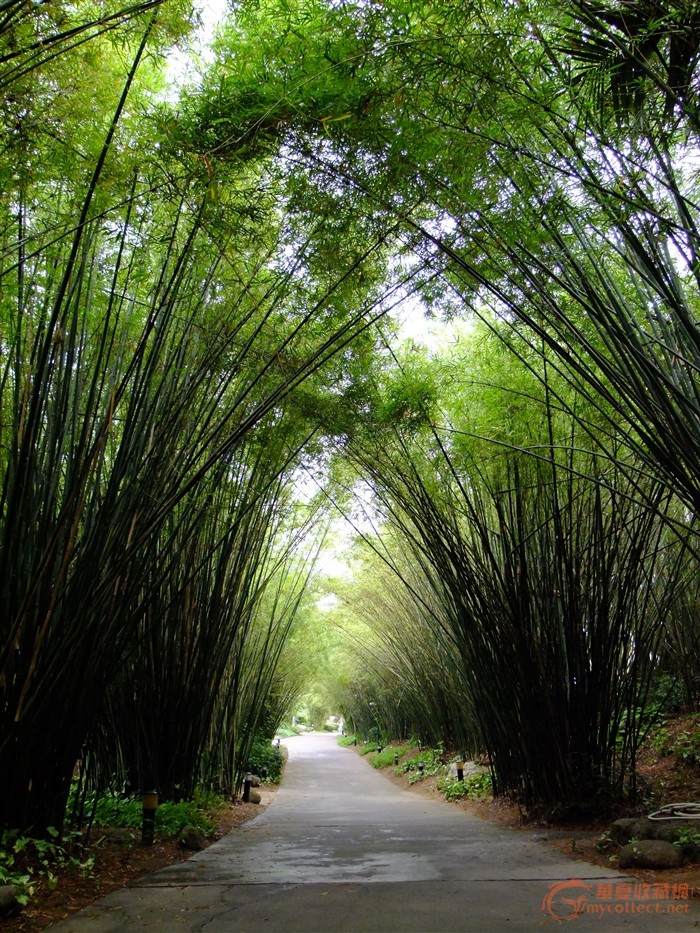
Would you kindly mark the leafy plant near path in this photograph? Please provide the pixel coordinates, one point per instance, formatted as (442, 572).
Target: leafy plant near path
(24, 860)
(12, 873)
(433, 763)
(473, 787)
(115, 810)
(684, 744)
(266, 761)
(388, 756)
(430, 759)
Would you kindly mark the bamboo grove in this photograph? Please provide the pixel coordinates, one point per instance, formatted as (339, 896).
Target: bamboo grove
(195, 305)
(152, 562)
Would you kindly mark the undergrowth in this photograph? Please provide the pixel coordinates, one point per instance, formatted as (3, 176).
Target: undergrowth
(266, 760)
(683, 744)
(431, 760)
(472, 787)
(115, 810)
(24, 860)
(388, 756)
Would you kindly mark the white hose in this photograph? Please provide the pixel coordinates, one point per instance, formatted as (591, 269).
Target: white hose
(677, 811)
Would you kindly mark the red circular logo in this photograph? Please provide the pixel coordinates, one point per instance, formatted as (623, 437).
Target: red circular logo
(565, 900)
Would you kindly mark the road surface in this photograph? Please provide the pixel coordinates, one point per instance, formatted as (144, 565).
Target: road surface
(341, 848)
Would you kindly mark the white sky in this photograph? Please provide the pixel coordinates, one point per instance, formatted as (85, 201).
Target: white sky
(181, 64)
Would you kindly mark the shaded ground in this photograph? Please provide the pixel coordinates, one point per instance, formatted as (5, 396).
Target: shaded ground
(341, 848)
(664, 777)
(120, 860)
(577, 841)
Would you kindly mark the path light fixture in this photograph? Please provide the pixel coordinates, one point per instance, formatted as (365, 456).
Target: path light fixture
(247, 783)
(396, 758)
(460, 770)
(149, 801)
(421, 765)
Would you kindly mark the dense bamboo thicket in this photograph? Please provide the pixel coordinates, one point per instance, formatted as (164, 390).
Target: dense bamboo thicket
(554, 587)
(150, 328)
(190, 295)
(183, 683)
(408, 677)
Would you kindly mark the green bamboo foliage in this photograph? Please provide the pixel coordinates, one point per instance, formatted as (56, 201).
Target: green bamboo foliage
(147, 334)
(554, 589)
(516, 175)
(257, 690)
(408, 677)
(195, 611)
(80, 556)
(204, 655)
(680, 656)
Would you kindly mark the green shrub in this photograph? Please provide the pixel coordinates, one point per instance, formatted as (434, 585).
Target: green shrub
(345, 741)
(687, 746)
(430, 758)
(114, 809)
(265, 757)
(472, 787)
(605, 844)
(286, 730)
(127, 813)
(172, 817)
(684, 744)
(12, 869)
(24, 860)
(661, 741)
(687, 837)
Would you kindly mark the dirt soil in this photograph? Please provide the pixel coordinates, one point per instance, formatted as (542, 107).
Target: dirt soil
(120, 860)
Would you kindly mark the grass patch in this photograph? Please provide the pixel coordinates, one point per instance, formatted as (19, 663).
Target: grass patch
(388, 756)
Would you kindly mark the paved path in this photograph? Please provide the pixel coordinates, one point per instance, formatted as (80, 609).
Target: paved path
(341, 848)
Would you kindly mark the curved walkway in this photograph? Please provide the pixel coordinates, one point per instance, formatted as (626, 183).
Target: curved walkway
(341, 848)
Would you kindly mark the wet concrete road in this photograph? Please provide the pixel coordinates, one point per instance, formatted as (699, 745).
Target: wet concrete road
(341, 848)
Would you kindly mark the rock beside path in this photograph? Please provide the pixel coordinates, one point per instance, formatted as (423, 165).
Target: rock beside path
(192, 838)
(650, 853)
(684, 834)
(8, 900)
